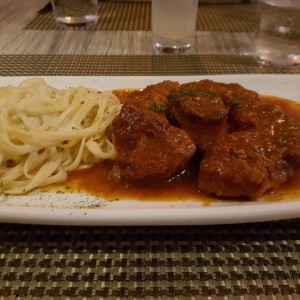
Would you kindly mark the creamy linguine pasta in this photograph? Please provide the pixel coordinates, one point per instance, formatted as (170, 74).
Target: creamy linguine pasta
(46, 132)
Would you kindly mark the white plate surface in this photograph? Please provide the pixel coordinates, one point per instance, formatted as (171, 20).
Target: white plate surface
(80, 209)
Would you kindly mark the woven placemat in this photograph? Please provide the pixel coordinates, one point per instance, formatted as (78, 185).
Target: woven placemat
(246, 261)
(234, 262)
(137, 16)
(110, 65)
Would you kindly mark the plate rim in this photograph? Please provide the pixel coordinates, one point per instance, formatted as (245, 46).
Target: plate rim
(152, 216)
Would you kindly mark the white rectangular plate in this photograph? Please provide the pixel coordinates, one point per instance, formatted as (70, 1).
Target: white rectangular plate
(81, 209)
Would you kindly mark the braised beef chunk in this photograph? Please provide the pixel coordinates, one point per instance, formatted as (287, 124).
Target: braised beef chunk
(247, 146)
(259, 117)
(154, 97)
(149, 148)
(232, 94)
(236, 96)
(203, 104)
(200, 111)
(269, 118)
(243, 164)
(286, 136)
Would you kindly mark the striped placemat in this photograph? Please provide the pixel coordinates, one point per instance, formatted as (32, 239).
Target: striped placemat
(234, 262)
(137, 16)
(111, 65)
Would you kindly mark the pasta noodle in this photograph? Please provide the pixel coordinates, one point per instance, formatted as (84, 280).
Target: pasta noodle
(46, 132)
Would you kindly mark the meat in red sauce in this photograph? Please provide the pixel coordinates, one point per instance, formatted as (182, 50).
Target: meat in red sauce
(246, 147)
(149, 148)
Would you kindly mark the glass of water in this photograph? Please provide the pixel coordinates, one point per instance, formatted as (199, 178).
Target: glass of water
(173, 25)
(75, 12)
(278, 32)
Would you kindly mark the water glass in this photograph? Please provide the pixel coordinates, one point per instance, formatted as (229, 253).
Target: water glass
(278, 32)
(173, 25)
(75, 12)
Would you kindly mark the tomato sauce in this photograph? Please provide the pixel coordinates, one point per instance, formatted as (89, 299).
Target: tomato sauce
(96, 180)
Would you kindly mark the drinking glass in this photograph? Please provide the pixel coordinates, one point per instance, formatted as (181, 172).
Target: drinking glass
(75, 12)
(173, 25)
(278, 32)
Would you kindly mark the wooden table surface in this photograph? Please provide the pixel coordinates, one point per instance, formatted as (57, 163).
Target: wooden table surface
(16, 14)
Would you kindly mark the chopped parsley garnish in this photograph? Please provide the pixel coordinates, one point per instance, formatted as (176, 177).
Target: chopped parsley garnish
(155, 107)
(236, 103)
(181, 95)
